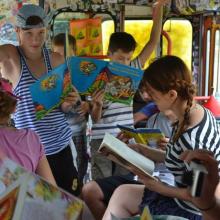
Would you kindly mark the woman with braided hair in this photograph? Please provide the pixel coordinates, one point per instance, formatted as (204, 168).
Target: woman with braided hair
(168, 81)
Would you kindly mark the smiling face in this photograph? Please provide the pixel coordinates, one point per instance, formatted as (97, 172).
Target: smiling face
(32, 40)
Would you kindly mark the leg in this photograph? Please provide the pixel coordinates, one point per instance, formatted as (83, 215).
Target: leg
(97, 193)
(125, 201)
(100, 166)
(63, 169)
(93, 197)
(82, 156)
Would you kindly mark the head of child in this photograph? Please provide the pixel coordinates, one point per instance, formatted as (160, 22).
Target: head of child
(31, 23)
(121, 47)
(7, 100)
(169, 82)
(58, 44)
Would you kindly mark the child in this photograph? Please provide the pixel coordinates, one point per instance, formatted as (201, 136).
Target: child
(23, 66)
(169, 83)
(107, 115)
(22, 146)
(76, 117)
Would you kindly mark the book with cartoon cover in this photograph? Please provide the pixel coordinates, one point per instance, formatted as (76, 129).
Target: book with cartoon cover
(120, 82)
(148, 136)
(24, 195)
(120, 153)
(50, 90)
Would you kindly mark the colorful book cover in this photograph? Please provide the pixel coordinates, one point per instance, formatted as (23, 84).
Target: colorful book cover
(149, 136)
(119, 81)
(50, 90)
(24, 195)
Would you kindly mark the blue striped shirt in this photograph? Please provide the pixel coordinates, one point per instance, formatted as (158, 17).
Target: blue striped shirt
(53, 129)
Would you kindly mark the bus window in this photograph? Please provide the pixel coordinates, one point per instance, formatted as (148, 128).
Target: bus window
(208, 48)
(180, 32)
(216, 70)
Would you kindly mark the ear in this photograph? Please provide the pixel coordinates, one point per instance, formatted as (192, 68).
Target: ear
(172, 94)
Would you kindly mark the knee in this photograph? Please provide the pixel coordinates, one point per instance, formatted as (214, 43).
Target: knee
(91, 191)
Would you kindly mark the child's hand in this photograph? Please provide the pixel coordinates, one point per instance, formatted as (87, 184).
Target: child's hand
(84, 108)
(123, 137)
(162, 143)
(97, 97)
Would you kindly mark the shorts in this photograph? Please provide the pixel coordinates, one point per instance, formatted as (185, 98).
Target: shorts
(109, 184)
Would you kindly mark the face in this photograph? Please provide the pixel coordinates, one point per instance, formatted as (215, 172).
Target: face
(121, 57)
(32, 39)
(164, 101)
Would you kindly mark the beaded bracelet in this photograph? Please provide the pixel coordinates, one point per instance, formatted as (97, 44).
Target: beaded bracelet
(209, 208)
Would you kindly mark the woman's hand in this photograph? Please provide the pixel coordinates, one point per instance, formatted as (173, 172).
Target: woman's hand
(97, 97)
(84, 108)
(162, 143)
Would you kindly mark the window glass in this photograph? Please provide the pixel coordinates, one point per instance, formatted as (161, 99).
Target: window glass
(207, 61)
(180, 32)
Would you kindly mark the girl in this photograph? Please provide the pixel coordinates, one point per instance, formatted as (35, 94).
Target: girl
(169, 83)
(22, 146)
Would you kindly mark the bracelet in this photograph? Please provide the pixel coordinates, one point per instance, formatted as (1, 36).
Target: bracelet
(209, 208)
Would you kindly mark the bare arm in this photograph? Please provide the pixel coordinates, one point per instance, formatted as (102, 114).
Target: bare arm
(155, 33)
(43, 169)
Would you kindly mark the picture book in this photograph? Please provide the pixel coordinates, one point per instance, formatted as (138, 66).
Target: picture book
(120, 82)
(25, 196)
(120, 153)
(88, 35)
(149, 136)
(50, 90)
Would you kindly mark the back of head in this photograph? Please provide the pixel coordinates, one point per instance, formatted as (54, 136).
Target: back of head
(31, 16)
(60, 39)
(7, 99)
(170, 73)
(123, 41)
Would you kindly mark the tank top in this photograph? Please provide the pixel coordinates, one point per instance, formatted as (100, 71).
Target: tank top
(53, 129)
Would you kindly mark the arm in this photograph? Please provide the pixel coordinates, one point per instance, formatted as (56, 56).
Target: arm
(43, 169)
(156, 155)
(97, 103)
(155, 33)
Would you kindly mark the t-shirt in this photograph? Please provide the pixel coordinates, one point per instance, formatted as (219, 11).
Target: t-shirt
(22, 146)
(204, 135)
(149, 109)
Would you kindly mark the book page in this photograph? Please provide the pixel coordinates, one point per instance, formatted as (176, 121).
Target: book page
(120, 149)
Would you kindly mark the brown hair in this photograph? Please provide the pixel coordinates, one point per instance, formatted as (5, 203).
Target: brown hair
(59, 40)
(7, 104)
(167, 73)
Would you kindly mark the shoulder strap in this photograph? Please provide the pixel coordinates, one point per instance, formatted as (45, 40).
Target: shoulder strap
(47, 59)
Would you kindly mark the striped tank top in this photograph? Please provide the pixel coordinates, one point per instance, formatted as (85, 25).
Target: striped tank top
(53, 129)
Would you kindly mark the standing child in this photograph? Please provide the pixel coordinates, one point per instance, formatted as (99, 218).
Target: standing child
(23, 66)
(77, 116)
(169, 83)
(106, 115)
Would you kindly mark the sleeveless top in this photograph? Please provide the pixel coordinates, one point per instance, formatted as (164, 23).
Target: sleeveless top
(53, 129)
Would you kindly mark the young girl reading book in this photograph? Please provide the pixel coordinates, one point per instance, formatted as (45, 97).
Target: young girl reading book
(169, 83)
(20, 145)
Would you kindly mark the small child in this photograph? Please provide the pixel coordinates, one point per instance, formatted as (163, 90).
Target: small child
(77, 117)
(20, 145)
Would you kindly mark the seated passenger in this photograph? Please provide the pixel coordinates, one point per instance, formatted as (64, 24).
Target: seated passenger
(20, 145)
(98, 193)
(169, 82)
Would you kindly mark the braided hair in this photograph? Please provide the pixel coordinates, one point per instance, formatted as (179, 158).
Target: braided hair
(167, 73)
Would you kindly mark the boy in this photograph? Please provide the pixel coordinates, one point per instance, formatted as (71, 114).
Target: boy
(76, 117)
(107, 116)
(23, 66)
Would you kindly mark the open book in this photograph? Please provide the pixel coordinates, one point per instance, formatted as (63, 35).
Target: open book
(120, 82)
(24, 195)
(149, 136)
(120, 153)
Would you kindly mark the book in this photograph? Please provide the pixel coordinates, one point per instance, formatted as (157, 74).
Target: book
(24, 195)
(120, 82)
(50, 90)
(149, 136)
(120, 153)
